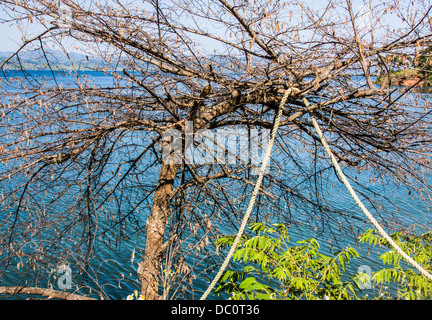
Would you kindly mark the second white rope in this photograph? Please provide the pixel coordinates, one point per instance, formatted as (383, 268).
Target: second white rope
(381, 231)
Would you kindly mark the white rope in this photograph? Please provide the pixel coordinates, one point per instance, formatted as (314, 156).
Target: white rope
(253, 197)
(360, 204)
(381, 231)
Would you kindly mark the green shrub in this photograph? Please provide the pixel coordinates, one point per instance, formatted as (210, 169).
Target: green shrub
(273, 268)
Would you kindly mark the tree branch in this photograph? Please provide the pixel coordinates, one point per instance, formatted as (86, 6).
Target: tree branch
(50, 293)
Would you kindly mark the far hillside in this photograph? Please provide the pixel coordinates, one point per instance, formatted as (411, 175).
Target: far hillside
(407, 70)
(59, 60)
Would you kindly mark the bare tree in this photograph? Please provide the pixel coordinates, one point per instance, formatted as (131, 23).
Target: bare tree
(83, 161)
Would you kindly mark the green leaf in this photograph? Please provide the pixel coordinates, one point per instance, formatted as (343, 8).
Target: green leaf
(281, 273)
(298, 283)
(226, 275)
(263, 296)
(249, 269)
(247, 283)
(258, 227)
(342, 262)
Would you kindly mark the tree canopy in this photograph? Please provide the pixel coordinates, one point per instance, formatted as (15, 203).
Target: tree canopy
(82, 165)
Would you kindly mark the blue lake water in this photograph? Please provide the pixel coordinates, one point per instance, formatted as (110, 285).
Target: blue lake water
(111, 271)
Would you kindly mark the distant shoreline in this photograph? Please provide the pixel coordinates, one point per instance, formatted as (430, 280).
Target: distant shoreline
(406, 78)
(401, 78)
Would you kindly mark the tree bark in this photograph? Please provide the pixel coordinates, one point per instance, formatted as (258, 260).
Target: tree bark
(150, 267)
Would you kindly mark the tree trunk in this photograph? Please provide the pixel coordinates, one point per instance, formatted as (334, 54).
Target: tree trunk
(149, 269)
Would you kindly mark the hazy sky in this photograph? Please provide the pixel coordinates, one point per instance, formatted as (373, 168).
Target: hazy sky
(10, 35)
